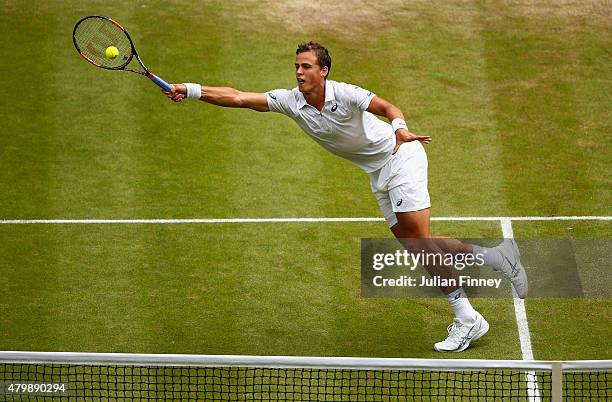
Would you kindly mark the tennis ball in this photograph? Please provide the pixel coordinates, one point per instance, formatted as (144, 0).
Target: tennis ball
(112, 52)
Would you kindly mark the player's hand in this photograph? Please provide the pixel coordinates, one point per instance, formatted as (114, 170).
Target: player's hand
(402, 136)
(178, 92)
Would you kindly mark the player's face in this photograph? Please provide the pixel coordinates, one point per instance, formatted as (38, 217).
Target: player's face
(308, 73)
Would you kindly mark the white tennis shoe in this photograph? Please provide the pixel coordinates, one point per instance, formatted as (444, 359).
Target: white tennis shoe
(461, 334)
(511, 266)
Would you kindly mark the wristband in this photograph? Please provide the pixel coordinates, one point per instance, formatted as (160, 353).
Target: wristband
(398, 123)
(194, 91)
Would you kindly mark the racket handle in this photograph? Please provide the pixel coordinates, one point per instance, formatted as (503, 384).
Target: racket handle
(162, 84)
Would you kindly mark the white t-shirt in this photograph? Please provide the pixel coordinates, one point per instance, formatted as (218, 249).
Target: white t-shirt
(343, 126)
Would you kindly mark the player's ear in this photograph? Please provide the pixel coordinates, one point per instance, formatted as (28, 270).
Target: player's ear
(324, 71)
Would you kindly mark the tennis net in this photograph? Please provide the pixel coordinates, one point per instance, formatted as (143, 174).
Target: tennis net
(112, 376)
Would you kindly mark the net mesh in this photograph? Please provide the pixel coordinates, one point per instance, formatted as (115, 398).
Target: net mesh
(93, 35)
(587, 385)
(125, 382)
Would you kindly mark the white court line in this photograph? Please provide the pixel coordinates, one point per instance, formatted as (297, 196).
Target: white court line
(272, 220)
(533, 390)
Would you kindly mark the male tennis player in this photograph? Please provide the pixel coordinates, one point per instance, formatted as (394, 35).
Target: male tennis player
(341, 118)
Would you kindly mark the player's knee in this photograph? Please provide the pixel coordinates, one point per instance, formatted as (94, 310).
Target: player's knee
(412, 231)
(413, 224)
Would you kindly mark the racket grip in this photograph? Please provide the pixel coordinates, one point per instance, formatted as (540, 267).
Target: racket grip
(162, 84)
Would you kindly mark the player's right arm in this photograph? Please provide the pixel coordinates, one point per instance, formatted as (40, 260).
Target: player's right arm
(223, 96)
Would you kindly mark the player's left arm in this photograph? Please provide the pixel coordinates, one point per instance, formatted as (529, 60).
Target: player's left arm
(381, 107)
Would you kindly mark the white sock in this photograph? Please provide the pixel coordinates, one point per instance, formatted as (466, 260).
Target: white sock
(491, 257)
(461, 306)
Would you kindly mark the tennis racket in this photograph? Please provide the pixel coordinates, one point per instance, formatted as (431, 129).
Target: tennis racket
(93, 35)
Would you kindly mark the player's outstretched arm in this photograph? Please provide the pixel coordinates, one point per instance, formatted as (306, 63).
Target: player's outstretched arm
(223, 96)
(381, 107)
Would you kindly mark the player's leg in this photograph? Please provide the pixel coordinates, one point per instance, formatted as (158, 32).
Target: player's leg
(401, 190)
(505, 258)
(412, 230)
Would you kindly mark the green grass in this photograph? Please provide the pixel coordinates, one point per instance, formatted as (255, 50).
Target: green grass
(516, 97)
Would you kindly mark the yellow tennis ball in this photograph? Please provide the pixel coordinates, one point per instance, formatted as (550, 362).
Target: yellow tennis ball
(112, 52)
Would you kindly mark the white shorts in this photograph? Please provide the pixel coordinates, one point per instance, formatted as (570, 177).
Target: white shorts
(401, 184)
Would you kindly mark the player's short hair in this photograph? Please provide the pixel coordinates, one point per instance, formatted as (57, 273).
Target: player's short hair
(323, 57)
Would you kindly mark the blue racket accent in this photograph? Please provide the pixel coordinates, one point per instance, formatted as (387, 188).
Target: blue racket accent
(163, 84)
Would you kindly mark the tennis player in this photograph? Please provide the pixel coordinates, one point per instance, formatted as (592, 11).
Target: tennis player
(342, 118)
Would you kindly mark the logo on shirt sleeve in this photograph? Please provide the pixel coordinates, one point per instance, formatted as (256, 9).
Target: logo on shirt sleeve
(361, 89)
(335, 107)
(271, 95)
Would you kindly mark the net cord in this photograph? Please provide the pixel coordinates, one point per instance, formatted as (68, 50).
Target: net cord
(357, 363)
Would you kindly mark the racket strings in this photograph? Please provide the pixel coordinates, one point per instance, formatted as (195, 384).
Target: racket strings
(94, 35)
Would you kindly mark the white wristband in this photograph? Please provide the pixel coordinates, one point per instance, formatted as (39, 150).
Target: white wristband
(398, 123)
(194, 91)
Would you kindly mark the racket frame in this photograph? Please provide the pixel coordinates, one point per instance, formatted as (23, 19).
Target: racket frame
(157, 80)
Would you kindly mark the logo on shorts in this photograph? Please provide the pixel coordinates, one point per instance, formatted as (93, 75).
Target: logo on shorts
(334, 108)
(399, 202)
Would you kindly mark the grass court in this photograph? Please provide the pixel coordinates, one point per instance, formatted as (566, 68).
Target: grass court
(515, 94)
